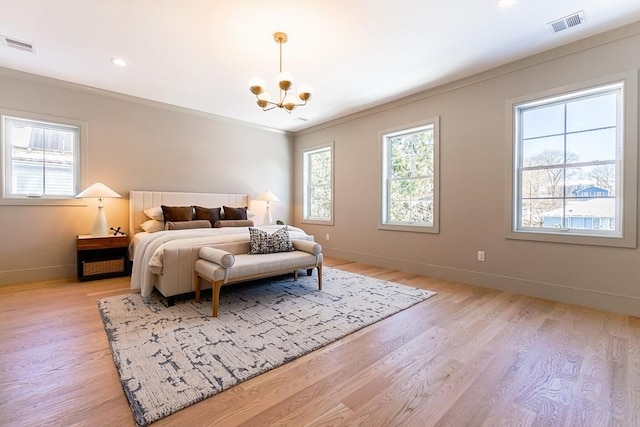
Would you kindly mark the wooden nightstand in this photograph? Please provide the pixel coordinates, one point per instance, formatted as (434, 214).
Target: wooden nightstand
(102, 257)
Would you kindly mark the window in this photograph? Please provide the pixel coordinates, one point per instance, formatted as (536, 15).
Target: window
(569, 155)
(41, 157)
(318, 185)
(410, 163)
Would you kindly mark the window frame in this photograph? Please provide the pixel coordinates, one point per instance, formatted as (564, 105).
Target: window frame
(305, 185)
(80, 159)
(626, 185)
(383, 137)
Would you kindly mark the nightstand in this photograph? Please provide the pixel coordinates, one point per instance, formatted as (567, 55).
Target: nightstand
(102, 257)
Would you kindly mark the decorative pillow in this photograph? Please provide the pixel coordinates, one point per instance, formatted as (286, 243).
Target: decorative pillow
(233, 223)
(177, 213)
(307, 246)
(154, 213)
(152, 226)
(261, 242)
(184, 225)
(211, 214)
(224, 258)
(234, 213)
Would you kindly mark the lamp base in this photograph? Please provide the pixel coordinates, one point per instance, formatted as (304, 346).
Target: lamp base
(267, 216)
(100, 227)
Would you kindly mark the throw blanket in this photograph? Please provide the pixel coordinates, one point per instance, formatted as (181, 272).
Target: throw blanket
(148, 256)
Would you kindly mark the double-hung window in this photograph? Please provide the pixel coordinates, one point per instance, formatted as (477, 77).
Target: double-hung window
(410, 177)
(569, 154)
(318, 184)
(41, 158)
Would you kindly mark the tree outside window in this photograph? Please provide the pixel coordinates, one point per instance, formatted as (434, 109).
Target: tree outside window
(568, 162)
(318, 184)
(410, 177)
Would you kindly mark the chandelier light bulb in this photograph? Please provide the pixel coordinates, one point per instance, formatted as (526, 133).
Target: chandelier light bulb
(289, 102)
(305, 92)
(285, 80)
(257, 85)
(263, 99)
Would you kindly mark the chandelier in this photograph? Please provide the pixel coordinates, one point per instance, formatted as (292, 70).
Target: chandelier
(285, 100)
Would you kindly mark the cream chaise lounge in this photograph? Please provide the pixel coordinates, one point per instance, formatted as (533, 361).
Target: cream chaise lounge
(232, 264)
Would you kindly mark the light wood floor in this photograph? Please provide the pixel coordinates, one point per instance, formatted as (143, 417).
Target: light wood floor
(466, 357)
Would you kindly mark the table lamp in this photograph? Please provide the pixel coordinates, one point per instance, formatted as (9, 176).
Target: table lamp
(268, 196)
(99, 191)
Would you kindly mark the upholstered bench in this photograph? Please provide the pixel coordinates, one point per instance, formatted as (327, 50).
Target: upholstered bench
(220, 267)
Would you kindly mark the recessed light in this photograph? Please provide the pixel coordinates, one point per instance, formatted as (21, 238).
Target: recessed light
(119, 62)
(506, 3)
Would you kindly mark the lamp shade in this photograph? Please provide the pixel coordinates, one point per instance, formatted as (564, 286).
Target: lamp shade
(97, 191)
(268, 196)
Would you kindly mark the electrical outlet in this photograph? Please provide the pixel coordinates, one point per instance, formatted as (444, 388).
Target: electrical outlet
(480, 255)
(326, 236)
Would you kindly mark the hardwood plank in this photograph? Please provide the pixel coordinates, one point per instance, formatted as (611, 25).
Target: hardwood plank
(359, 379)
(467, 356)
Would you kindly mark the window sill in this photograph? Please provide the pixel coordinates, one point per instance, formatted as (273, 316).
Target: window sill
(317, 221)
(409, 228)
(41, 202)
(574, 239)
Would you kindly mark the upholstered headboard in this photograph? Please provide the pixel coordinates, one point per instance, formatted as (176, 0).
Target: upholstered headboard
(141, 200)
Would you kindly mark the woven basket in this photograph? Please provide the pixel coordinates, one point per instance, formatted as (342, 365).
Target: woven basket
(91, 268)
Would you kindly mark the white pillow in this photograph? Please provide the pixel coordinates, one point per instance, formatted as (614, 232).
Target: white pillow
(154, 213)
(152, 226)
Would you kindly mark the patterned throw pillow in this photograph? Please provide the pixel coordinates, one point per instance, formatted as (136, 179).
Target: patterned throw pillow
(262, 242)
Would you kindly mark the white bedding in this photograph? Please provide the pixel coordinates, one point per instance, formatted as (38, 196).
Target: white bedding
(148, 248)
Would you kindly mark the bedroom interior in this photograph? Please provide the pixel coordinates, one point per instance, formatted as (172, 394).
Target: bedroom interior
(547, 332)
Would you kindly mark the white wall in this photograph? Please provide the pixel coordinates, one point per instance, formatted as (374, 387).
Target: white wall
(473, 143)
(133, 145)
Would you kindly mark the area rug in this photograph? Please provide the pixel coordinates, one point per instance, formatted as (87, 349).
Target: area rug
(171, 357)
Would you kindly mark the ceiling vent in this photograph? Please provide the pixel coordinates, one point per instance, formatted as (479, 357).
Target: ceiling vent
(17, 44)
(567, 22)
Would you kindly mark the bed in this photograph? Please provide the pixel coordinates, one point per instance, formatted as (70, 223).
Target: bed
(165, 259)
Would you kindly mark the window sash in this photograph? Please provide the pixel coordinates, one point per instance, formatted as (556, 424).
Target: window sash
(410, 195)
(570, 221)
(313, 184)
(43, 162)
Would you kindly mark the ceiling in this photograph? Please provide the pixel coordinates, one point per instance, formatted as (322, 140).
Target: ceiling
(355, 54)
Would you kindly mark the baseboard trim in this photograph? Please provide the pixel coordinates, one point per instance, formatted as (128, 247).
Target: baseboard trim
(623, 304)
(40, 274)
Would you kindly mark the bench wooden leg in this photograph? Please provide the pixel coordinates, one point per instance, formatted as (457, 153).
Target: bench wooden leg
(320, 276)
(295, 275)
(309, 271)
(215, 296)
(196, 286)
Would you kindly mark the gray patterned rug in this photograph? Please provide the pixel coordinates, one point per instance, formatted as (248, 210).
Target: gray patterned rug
(171, 357)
